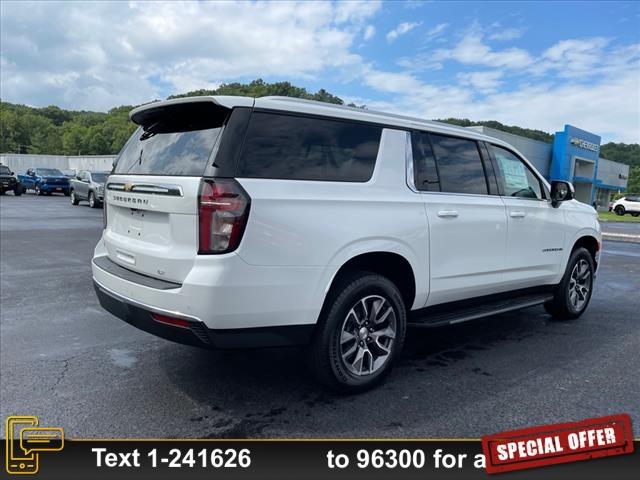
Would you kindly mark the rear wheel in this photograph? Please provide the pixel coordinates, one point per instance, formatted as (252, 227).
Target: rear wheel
(635, 214)
(573, 294)
(74, 199)
(619, 210)
(360, 333)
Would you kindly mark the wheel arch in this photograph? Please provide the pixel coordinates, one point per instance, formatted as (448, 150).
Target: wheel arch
(391, 265)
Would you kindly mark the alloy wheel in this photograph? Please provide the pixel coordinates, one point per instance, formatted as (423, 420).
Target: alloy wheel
(579, 285)
(367, 335)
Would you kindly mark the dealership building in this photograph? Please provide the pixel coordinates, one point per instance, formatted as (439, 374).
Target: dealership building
(573, 156)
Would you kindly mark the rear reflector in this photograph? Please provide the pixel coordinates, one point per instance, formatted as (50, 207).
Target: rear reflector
(176, 322)
(223, 209)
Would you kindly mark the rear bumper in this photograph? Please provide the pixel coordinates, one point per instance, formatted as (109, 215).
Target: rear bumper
(197, 334)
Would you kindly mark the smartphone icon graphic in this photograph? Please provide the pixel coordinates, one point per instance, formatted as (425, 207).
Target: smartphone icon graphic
(19, 462)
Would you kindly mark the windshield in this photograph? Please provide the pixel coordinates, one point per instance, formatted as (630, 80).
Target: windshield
(4, 170)
(99, 177)
(49, 172)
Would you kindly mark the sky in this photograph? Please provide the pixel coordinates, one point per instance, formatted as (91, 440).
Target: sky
(533, 64)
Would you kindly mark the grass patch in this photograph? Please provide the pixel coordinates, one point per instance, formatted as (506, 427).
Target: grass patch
(612, 217)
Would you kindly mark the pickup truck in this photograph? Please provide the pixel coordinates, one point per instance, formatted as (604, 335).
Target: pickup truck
(45, 181)
(8, 181)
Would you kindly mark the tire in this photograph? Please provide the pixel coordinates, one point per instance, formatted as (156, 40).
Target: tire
(74, 200)
(635, 214)
(17, 191)
(619, 210)
(1, 192)
(67, 193)
(38, 190)
(344, 331)
(568, 303)
(93, 202)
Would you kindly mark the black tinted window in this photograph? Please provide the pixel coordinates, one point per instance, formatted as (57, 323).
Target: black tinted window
(301, 148)
(424, 163)
(178, 153)
(459, 165)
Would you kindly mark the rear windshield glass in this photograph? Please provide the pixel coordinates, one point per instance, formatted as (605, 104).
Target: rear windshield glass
(173, 140)
(303, 148)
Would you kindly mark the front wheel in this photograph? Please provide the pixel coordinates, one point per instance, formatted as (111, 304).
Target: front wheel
(38, 190)
(572, 295)
(619, 210)
(93, 202)
(360, 333)
(74, 199)
(17, 191)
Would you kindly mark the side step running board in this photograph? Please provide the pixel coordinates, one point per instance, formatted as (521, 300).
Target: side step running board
(426, 317)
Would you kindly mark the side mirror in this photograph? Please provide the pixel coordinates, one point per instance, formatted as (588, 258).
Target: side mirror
(561, 192)
(12, 173)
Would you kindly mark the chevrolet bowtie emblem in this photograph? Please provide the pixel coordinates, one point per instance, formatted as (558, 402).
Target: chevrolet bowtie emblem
(128, 187)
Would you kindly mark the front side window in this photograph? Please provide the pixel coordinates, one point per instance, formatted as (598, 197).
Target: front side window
(459, 165)
(516, 177)
(291, 147)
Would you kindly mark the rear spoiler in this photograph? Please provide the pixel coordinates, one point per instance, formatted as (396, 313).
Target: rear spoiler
(144, 114)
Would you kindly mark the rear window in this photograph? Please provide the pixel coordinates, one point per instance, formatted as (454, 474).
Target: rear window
(172, 140)
(304, 148)
(459, 165)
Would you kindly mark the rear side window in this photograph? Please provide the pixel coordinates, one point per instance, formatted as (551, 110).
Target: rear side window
(173, 140)
(459, 165)
(303, 148)
(425, 172)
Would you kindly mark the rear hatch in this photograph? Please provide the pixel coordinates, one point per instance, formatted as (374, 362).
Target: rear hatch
(151, 198)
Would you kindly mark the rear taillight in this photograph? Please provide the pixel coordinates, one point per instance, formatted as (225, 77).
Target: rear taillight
(223, 209)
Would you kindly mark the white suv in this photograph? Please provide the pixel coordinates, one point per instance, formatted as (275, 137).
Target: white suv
(239, 222)
(629, 204)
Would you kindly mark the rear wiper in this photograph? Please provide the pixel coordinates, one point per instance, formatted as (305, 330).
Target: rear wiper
(149, 132)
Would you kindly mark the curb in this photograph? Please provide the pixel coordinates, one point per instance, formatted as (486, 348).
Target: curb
(621, 237)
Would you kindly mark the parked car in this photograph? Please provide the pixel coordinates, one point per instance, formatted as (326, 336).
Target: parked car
(629, 204)
(44, 181)
(88, 186)
(9, 182)
(238, 222)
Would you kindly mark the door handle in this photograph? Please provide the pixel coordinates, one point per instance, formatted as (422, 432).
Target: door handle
(448, 213)
(517, 214)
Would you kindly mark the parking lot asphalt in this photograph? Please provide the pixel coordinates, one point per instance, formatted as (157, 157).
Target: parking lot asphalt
(67, 361)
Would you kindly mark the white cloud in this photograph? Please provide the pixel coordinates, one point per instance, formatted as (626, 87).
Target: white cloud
(503, 34)
(369, 32)
(484, 82)
(401, 29)
(471, 50)
(437, 31)
(100, 54)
